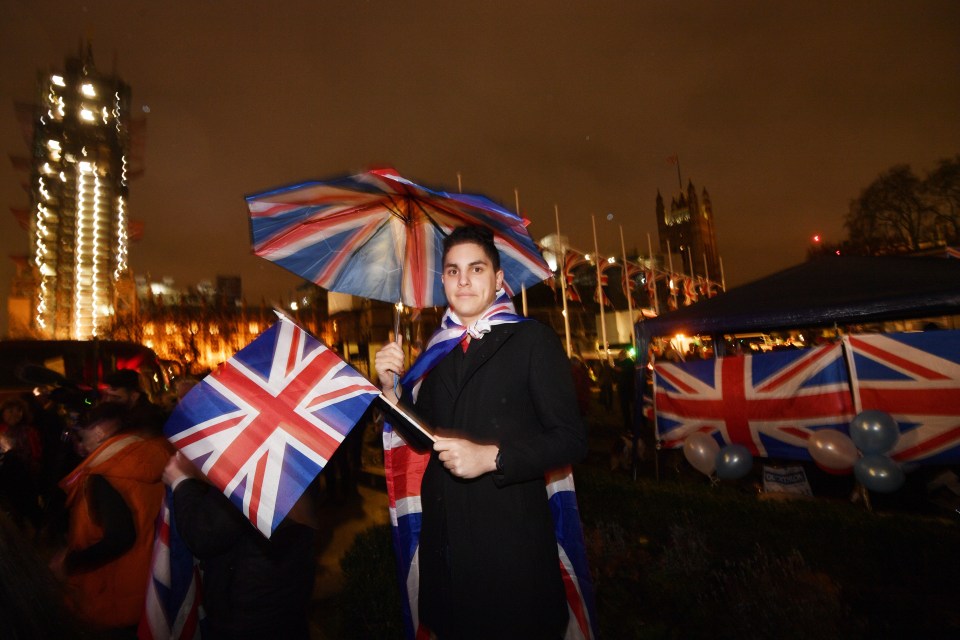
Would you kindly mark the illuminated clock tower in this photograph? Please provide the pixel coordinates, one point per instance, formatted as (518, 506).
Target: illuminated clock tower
(78, 219)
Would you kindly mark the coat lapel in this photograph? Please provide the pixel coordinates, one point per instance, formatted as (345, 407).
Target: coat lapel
(483, 351)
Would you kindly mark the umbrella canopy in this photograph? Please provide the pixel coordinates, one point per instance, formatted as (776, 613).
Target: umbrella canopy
(378, 235)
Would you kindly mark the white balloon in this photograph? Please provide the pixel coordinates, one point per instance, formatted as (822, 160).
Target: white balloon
(832, 449)
(701, 451)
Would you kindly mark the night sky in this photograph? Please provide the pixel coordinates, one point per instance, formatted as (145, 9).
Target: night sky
(783, 111)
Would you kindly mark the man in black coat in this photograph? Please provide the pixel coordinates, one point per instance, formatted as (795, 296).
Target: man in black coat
(253, 587)
(506, 410)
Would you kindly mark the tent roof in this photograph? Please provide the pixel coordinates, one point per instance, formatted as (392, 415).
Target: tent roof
(826, 291)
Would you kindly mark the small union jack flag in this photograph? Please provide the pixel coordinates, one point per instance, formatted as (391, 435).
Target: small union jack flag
(689, 291)
(573, 261)
(769, 402)
(628, 278)
(264, 424)
(915, 377)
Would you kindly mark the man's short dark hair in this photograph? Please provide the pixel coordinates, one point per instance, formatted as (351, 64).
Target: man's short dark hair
(481, 236)
(123, 379)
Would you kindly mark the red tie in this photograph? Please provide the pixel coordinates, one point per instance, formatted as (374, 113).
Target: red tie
(465, 343)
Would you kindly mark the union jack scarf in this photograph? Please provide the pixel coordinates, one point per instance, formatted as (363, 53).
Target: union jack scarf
(404, 473)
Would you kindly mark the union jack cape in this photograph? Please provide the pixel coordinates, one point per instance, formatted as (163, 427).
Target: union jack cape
(404, 472)
(172, 609)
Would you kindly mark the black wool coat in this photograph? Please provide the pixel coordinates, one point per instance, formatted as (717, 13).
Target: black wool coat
(488, 553)
(253, 587)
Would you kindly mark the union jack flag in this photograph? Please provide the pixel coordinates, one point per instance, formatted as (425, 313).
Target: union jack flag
(652, 286)
(630, 273)
(689, 291)
(265, 424)
(915, 377)
(572, 261)
(600, 295)
(706, 287)
(770, 402)
(172, 607)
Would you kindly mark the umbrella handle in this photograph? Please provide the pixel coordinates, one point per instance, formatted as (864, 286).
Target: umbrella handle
(396, 336)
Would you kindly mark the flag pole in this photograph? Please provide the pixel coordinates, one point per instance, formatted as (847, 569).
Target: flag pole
(706, 273)
(523, 288)
(603, 321)
(670, 262)
(723, 279)
(562, 269)
(627, 289)
(653, 270)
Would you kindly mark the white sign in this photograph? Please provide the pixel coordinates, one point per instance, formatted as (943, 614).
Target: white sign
(786, 480)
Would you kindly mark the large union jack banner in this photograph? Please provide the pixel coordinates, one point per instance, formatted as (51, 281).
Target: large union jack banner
(264, 424)
(915, 377)
(769, 402)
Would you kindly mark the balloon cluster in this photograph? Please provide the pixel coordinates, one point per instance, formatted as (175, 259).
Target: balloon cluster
(705, 455)
(873, 434)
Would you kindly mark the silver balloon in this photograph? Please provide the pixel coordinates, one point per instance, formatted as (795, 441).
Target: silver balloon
(879, 473)
(832, 449)
(874, 431)
(700, 450)
(734, 461)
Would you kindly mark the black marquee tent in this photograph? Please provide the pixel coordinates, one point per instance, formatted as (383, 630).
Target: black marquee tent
(823, 292)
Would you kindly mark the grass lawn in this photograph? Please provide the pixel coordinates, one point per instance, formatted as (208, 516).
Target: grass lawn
(674, 556)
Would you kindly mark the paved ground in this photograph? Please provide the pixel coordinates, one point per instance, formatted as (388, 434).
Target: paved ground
(341, 521)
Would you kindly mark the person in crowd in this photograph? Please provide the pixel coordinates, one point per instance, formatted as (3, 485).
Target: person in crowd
(253, 587)
(581, 382)
(17, 424)
(626, 387)
(123, 387)
(112, 497)
(502, 401)
(31, 599)
(605, 381)
(20, 460)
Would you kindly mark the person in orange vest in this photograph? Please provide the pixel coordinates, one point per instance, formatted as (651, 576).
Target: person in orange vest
(113, 498)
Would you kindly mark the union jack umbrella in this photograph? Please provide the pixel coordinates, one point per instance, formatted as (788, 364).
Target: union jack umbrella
(378, 235)
(263, 425)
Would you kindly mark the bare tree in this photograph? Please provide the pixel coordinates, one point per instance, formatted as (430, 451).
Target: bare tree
(900, 213)
(943, 187)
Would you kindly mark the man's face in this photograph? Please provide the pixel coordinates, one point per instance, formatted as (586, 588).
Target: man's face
(120, 395)
(469, 281)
